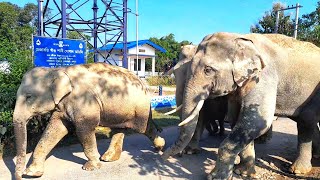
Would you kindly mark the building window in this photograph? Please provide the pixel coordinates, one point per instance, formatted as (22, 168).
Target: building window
(135, 64)
(142, 50)
(148, 64)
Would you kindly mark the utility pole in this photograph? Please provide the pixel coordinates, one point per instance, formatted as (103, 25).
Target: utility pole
(137, 37)
(64, 18)
(40, 18)
(295, 32)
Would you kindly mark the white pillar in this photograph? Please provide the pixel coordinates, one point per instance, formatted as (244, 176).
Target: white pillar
(153, 65)
(143, 67)
(129, 64)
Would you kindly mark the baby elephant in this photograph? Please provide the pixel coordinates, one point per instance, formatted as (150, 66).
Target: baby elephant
(215, 109)
(85, 96)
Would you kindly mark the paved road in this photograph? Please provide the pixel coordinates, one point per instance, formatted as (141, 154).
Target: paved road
(139, 161)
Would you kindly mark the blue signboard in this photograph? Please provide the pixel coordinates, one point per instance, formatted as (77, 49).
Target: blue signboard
(57, 52)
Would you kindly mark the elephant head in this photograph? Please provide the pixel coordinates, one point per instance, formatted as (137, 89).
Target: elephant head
(224, 63)
(40, 92)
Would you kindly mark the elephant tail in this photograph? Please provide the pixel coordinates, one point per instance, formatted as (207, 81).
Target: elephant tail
(152, 133)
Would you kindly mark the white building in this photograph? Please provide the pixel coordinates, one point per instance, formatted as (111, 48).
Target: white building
(146, 52)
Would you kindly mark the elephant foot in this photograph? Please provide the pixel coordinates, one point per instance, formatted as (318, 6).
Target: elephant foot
(115, 148)
(301, 167)
(34, 170)
(219, 175)
(192, 150)
(245, 171)
(111, 155)
(159, 143)
(91, 165)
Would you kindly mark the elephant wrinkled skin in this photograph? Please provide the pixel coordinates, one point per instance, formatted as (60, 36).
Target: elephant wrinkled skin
(85, 96)
(267, 75)
(212, 110)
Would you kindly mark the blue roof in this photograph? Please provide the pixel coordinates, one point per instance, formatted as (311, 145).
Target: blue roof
(132, 44)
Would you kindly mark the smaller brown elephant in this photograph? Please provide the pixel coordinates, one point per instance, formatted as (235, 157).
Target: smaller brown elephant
(83, 96)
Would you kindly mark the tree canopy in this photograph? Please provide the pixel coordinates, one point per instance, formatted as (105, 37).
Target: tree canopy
(308, 29)
(171, 56)
(268, 22)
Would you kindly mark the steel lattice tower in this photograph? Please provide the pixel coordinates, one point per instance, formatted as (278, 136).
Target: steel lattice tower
(107, 25)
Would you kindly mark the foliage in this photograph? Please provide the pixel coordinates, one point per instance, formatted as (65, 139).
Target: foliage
(160, 80)
(309, 26)
(173, 48)
(308, 29)
(268, 22)
(16, 30)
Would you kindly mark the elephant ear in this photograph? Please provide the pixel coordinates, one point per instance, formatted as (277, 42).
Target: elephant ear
(61, 85)
(247, 61)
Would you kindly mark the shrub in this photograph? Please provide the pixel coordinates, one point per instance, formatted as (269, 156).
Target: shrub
(160, 80)
(10, 80)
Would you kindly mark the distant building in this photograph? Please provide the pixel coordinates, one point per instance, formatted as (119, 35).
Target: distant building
(146, 52)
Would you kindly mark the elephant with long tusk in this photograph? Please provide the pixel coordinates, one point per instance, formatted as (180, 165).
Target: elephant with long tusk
(267, 74)
(83, 96)
(210, 110)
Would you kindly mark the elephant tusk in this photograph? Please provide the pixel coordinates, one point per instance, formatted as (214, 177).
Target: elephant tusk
(194, 113)
(174, 110)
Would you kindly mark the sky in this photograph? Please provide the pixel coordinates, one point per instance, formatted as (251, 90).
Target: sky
(193, 19)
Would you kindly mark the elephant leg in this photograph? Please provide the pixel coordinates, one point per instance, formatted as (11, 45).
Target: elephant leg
(193, 146)
(53, 133)
(316, 142)
(255, 118)
(87, 138)
(303, 162)
(221, 125)
(307, 130)
(247, 161)
(115, 148)
(211, 127)
(265, 137)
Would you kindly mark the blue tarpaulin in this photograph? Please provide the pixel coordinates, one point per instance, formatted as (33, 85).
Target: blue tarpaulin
(163, 102)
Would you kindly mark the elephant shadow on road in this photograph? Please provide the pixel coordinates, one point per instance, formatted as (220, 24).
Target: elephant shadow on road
(273, 157)
(188, 166)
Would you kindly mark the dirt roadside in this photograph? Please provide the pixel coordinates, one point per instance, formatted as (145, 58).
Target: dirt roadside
(139, 161)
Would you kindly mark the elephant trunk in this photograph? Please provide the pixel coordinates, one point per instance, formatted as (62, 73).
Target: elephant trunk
(20, 131)
(190, 108)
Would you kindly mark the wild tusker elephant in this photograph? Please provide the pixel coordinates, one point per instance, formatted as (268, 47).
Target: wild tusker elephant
(213, 109)
(266, 74)
(84, 96)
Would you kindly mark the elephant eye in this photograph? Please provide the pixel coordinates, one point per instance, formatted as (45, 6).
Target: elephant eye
(208, 70)
(28, 96)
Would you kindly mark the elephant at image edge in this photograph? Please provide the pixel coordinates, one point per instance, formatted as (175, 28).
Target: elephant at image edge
(268, 75)
(213, 109)
(84, 96)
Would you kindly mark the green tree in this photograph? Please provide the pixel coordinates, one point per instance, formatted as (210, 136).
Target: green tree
(309, 26)
(267, 23)
(16, 29)
(171, 55)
